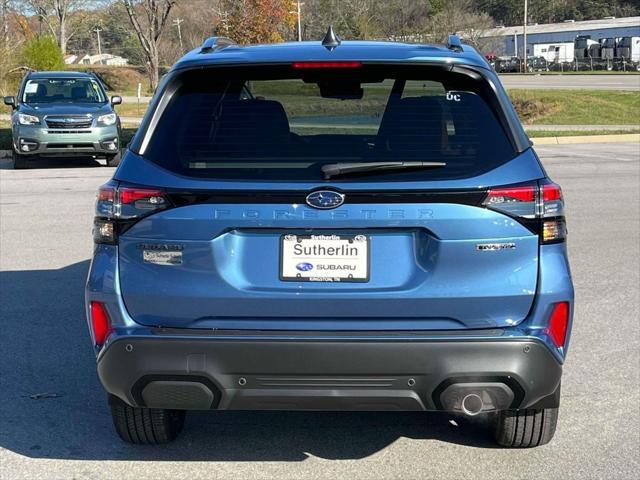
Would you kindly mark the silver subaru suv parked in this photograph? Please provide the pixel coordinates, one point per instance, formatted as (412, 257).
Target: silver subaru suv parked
(64, 114)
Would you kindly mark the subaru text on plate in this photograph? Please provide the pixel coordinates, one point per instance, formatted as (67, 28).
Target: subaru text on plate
(331, 226)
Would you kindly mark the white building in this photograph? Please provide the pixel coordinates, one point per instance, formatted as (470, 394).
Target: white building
(70, 59)
(508, 40)
(103, 59)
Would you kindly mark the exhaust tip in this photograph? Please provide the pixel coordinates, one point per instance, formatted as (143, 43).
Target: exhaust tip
(472, 404)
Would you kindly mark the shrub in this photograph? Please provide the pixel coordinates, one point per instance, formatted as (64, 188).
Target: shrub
(43, 53)
(530, 109)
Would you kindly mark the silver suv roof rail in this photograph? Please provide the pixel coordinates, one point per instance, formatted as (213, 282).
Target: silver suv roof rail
(454, 43)
(212, 44)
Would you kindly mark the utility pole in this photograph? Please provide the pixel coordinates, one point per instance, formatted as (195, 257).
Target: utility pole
(524, 38)
(298, 11)
(98, 30)
(177, 22)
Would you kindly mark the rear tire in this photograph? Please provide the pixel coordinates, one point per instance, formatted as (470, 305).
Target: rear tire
(145, 426)
(525, 428)
(114, 160)
(19, 161)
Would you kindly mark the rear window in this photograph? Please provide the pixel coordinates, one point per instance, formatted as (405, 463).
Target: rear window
(285, 123)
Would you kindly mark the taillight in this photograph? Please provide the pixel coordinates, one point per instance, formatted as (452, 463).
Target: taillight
(558, 323)
(100, 322)
(515, 201)
(540, 207)
(118, 207)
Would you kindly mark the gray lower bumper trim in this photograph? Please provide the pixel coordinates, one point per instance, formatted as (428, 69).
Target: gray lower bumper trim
(304, 374)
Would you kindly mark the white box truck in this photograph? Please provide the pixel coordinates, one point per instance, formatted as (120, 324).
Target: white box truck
(554, 52)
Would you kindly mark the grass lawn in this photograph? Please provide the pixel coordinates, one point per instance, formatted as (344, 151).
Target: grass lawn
(579, 107)
(131, 109)
(578, 133)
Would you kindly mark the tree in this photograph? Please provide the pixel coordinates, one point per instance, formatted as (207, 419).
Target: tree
(510, 12)
(4, 21)
(257, 21)
(459, 16)
(360, 19)
(149, 30)
(7, 61)
(56, 15)
(43, 53)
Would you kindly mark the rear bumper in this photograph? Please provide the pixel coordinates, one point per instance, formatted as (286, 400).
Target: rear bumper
(165, 370)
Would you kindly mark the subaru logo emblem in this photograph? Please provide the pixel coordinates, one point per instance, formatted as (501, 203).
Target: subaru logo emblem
(325, 199)
(304, 266)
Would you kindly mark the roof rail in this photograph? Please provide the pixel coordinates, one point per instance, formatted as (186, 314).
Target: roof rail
(214, 43)
(453, 43)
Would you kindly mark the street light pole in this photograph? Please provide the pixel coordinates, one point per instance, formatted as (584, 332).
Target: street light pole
(98, 30)
(524, 38)
(177, 22)
(298, 12)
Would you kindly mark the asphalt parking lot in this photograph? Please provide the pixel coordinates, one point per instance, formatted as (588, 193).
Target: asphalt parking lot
(54, 421)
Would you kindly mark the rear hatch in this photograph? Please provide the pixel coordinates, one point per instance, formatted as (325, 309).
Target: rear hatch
(269, 199)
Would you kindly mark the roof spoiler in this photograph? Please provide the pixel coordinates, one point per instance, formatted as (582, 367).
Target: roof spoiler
(212, 44)
(453, 43)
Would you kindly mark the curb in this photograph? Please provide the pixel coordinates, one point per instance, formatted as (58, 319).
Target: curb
(626, 137)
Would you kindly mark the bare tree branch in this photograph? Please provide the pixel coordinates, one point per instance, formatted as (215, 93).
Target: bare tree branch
(56, 15)
(157, 13)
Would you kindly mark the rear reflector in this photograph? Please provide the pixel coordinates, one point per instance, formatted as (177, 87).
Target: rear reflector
(323, 65)
(100, 323)
(557, 329)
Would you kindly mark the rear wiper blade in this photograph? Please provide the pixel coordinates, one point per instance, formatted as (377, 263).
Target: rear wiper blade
(334, 169)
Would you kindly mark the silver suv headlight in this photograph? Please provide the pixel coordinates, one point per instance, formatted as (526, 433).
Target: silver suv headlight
(24, 119)
(108, 119)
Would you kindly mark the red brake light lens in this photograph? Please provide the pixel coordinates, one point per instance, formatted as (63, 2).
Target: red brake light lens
(325, 65)
(514, 201)
(551, 192)
(106, 194)
(131, 195)
(515, 194)
(558, 322)
(100, 322)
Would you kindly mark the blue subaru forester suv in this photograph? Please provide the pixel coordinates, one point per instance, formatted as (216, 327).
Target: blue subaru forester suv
(334, 225)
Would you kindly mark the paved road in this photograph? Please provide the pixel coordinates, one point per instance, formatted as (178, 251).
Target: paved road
(598, 82)
(45, 221)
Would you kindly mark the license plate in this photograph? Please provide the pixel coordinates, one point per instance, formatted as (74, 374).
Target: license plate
(324, 258)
